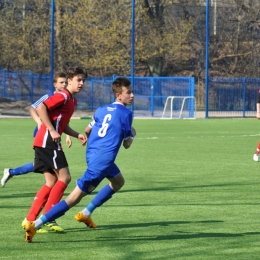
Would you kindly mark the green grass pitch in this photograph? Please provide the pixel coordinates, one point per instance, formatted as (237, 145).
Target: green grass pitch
(192, 191)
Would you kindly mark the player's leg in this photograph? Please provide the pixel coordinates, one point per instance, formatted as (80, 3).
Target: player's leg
(105, 194)
(59, 209)
(63, 179)
(56, 194)
(55, 212)
(42, 196)
(256, 154)
(43, 161)
(116, 183)
(9, 172)
(54, 162)
(87, 183)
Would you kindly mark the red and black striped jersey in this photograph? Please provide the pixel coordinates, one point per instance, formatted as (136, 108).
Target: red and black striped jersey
(60, 108)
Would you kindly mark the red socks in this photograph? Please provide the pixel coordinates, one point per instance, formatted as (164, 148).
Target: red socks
(46, 194)
(55, 195)
(39, 201)
(258, 148)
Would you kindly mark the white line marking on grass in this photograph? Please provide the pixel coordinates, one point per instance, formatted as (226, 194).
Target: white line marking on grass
(251, 135)
(189, 137)
(148, 138)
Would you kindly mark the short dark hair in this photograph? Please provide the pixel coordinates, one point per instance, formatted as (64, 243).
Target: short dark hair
(74, 71)
(58, 75)
(118, 83)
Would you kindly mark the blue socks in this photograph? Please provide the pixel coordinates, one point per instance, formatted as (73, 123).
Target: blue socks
(102, 196)
(55, 212)
(62, 207)
(22, 169)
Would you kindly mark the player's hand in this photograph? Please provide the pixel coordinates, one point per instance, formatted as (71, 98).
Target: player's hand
(68, 141)
(133, 132)
(55, 136)
(83, 139)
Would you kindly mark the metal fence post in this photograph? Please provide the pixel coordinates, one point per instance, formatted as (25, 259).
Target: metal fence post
(192, 108)
(31, 75)
(52, 42)
(92, 94)
(4, 82)
(244, 96)
(133, 50)
(207, 61)
(152, 97)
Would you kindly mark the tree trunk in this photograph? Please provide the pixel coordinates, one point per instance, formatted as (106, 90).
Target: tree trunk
(155, 66)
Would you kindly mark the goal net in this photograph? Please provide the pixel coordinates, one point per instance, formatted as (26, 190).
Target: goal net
(179, 107)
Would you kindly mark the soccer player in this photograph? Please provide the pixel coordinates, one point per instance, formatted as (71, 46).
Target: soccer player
(55, 114)
(257, 151)
(112, 127)
(59, 83)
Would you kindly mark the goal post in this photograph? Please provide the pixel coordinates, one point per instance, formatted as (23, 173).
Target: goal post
(179, 107)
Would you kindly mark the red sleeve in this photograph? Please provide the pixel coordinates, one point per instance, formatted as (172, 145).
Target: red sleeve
(57, 100)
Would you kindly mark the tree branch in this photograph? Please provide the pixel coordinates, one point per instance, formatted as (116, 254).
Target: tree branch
(230, 56)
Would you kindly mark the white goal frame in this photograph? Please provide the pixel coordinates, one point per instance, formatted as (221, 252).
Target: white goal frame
(171, 99)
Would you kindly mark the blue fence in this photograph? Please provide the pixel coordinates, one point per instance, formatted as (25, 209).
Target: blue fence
(23, 85)
(235, 97)
(228, 97)
(150, 92)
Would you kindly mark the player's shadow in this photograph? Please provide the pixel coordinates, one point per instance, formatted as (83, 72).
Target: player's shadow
(180, 235)
(126, 236)
(142, 225)
(177, 236)
(166, 187)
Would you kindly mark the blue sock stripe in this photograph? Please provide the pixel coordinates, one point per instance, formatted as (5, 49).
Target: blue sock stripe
(90, 207)
(43, 219)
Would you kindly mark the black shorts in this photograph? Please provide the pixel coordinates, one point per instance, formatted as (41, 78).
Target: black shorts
(47, 160)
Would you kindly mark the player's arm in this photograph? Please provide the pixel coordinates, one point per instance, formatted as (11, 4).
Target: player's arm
(68, 141)
(35, 116)
(128, 142)
(88, 129)
(32, 110)
(258, 110)
(258, 107)
(71, 132)
(43, 114)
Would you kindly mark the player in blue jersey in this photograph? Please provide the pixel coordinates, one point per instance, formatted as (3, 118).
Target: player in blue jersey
(257, 151)
(112, 126)
(59, 83)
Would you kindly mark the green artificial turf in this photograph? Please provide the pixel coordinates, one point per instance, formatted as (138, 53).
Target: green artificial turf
(192, 191)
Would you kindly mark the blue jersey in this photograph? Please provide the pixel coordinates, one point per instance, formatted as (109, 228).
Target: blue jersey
(36, 104)
(112, 125)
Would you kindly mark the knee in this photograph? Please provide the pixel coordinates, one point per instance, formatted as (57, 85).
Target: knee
(66, 179)
(116, 186)
(49, 183)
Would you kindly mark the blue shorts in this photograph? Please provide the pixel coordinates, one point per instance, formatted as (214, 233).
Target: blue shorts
(91, 178)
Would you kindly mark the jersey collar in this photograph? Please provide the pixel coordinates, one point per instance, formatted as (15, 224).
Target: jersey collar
(69, 93)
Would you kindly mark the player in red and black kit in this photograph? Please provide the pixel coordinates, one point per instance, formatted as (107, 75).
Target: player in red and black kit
(55, 114)
(256, 154)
